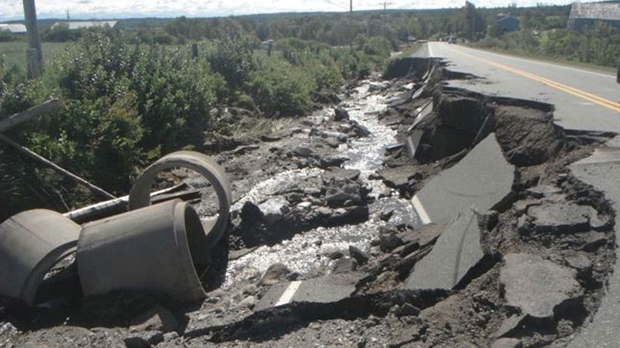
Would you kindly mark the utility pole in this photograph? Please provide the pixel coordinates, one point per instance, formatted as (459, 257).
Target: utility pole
(385, 5)
(351, 32)
(34, 55)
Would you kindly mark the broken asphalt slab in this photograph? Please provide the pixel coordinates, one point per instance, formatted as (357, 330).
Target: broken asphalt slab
(481, 180)
(455, 253)
(601, 171)
(423, 112)
(562, 217)
(326, 289)
(538, 287)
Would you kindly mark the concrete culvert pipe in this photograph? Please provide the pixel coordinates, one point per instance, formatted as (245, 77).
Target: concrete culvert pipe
(31, 243)
(149, 250)
(139, 196)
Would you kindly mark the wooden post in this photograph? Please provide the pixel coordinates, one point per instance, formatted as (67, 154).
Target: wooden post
(49, 106)
(32, 63)
(56, 167)
(34, 58)
(119, 205)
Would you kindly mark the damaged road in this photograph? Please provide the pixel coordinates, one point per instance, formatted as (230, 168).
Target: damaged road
(412, 214)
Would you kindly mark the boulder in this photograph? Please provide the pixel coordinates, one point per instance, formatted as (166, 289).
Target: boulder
(360, 256)
(274, 210)
(341, 114)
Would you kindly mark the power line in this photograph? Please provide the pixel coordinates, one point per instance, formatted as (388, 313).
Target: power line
(385, 4)
(334, 4)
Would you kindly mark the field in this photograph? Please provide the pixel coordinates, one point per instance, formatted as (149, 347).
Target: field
(15, 52)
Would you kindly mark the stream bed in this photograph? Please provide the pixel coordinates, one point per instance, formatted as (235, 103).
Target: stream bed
(306, 252)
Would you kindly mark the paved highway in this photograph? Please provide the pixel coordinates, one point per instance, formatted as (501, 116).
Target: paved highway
(583, 99)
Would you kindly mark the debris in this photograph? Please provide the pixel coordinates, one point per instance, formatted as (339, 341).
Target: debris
(597, 170)
(157, 318)
(407, 310)
(341, 114)
(561, 217)
(248, 302)
(58, 169)
(143, 339)
(507, 343)
(327, 289)
(345, 265)
(389, 242)
(338, 174)
(399, 178)
(342, 191)
(538, 287)
(543, 191)
(152, 249)
(270, 138)
(456, 252)
(465, 185)
(49, 106)
(332, 161)
(275, 273)
(509, 325)
(335, 255)
(32, 242)
(139, 195)
(359, 256)
(302, 152)
(413, 142)
(274, 210)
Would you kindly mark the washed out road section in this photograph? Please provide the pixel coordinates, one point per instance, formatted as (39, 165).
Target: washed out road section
(584, 99)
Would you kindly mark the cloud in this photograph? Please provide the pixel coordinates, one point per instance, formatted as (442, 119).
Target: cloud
(13, 9)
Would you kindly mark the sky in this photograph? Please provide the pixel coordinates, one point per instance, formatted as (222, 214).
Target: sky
(110, 9)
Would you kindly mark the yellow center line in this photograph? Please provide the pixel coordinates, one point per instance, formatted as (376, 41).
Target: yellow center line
(568, 89)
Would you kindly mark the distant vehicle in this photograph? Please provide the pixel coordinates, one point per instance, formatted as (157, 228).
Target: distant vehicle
(452, 40)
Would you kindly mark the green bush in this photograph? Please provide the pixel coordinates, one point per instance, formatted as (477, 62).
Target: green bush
(6, 36)
(280, 87)
(16, 93)
(127, 104)
(232, 58)
(378, 46)
(352, 64)
(599, 45)
(124, 106)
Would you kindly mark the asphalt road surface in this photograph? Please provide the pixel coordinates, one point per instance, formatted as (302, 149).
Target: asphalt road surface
(584, 99)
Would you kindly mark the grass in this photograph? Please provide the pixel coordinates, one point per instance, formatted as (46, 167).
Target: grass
(14, 52)
(411, 49)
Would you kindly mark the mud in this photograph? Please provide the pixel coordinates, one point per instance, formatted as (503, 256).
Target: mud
(329, 194)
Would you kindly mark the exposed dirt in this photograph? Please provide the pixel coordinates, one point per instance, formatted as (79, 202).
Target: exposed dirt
(382, 311)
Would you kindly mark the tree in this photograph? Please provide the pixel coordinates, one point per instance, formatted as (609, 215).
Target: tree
(474, 23)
